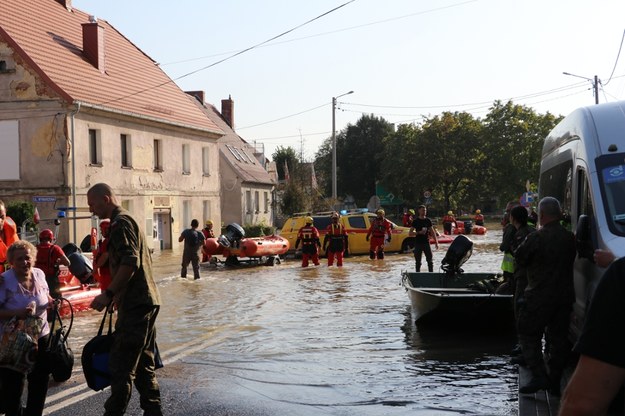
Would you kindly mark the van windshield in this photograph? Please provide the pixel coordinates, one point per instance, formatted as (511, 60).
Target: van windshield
(612, 178)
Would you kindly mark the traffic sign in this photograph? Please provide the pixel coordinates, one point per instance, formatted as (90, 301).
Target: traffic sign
(44, 199)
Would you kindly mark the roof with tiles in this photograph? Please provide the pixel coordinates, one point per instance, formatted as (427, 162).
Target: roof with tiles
(49, 37)
(238, 152)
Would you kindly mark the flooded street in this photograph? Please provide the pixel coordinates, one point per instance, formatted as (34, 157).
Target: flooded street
(327, 340)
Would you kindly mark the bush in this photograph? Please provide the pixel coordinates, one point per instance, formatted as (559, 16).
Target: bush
(20, 211)
(258, 230)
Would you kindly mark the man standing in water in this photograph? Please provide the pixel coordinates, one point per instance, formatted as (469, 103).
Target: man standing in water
(422, 230)
(134, 292)
(547, 255)
(193, 242)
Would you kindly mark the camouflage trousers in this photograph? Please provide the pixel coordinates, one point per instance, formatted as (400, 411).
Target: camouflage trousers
(132, 361)
(548, 318)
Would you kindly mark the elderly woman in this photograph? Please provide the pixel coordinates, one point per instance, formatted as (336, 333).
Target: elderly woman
(23, 293)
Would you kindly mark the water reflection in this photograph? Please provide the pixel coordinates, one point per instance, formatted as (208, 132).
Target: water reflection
(328, 340)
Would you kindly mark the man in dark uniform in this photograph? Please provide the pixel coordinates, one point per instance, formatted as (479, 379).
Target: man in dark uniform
(134, 292)
(548, 255)
(422, 230)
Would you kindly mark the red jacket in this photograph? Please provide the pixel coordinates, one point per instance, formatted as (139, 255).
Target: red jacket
(10, 237)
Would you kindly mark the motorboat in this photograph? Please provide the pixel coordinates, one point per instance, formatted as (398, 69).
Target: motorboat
(235, 247)
(454, 296)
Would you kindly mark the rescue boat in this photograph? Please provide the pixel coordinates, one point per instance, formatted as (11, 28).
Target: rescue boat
(79, 294)
(467, 227)
(234, 246)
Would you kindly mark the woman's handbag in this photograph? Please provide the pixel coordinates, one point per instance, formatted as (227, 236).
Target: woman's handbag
(95, 355)
(60, 355)
(19, 343)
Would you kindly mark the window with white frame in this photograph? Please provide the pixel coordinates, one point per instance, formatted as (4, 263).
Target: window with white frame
(126, 150)
(158, 155)
(206, 210)
(10, 154)
(95, 147)
(266, 195)
(186, 159)
(256, 202)
(206, 161)
(248, 202)
(186, 214)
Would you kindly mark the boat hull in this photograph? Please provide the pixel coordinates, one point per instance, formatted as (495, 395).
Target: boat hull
(434, 297)
(78, 294)
(254, 247)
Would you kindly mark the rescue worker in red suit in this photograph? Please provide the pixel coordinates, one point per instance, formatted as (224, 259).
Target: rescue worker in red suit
(101, 257)
(408, 217)
(336, 236)
(208, 233)
(448, 222)
(8, 235)
(49, 257)
(309, 236)
(379, 231)
(479, 218)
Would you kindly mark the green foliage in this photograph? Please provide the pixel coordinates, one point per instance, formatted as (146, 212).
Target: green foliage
(294, 199)
(463, 161)
(258, 230)
(20, 211)
(287, 154)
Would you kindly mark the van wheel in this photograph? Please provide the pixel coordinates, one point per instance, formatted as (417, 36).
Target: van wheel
(407, 246)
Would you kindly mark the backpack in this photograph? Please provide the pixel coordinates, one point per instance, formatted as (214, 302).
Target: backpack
(95, 356)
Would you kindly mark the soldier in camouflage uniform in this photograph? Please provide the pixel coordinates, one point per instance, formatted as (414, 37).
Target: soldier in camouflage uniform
(136, 296)
(547, 255)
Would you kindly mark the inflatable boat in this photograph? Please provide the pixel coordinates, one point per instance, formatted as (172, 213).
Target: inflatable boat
(235, 247)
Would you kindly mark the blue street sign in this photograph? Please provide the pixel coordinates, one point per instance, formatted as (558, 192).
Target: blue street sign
(44, 199)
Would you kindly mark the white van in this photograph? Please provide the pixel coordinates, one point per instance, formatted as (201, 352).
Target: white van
(583, 166)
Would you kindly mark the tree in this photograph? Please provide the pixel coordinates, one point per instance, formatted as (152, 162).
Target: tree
(293, 199)
(512, 148)
(288, 155)
(438, 157)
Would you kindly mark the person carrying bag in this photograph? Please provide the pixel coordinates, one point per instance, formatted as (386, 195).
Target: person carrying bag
(60, 355)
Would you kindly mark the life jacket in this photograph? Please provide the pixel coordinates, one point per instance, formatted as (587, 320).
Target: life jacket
(407, 220)
(46, 260)
(449, 218)
(309, 235)
(10, 237)
(379, 228)
(479, 218)
(507, 264)
(336, 231)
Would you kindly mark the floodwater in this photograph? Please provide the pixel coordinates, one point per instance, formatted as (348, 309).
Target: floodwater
(330, 341)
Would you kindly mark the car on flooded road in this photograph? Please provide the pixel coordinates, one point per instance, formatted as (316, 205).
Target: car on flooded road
(356, 225)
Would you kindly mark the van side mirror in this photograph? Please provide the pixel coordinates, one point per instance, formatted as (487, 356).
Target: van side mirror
(583, 238)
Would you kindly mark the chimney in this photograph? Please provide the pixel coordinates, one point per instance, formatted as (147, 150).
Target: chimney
(66, 3)
(199, 95)
(93, 43)
(227, 111)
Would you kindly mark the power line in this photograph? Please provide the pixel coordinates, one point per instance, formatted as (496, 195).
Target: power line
(332, 31)
(231, 56)
(616, 62)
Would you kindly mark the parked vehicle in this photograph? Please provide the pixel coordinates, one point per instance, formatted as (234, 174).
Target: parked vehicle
(583, 166)
(356, 225)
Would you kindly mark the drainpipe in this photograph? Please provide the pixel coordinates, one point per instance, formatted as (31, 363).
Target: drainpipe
(72, 141)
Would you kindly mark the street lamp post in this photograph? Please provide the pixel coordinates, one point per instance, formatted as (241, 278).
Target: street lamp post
(334, 193)
(595, 84)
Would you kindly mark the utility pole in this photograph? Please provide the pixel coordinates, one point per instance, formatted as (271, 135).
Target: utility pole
(595, 84)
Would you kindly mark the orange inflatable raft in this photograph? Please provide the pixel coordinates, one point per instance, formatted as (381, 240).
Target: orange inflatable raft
(233, 245)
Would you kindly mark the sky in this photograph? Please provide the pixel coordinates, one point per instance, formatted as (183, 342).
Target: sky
(403, 59)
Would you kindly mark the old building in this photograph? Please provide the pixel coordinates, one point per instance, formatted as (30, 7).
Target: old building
(246, 186)
(81, 104)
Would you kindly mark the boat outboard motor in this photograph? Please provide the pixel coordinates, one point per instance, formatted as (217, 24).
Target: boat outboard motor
(81, 267)
(458, 253)
(233, 233)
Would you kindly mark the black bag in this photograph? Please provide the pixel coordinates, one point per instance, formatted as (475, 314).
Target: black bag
(95, 356)
(60, 355)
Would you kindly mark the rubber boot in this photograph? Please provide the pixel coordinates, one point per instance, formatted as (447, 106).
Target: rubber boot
(381, 255)
(372, 255)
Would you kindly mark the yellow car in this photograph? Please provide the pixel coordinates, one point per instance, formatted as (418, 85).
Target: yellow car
(356, 225)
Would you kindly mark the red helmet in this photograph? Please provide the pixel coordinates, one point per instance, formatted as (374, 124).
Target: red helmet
(104, 225)
(46, 235)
